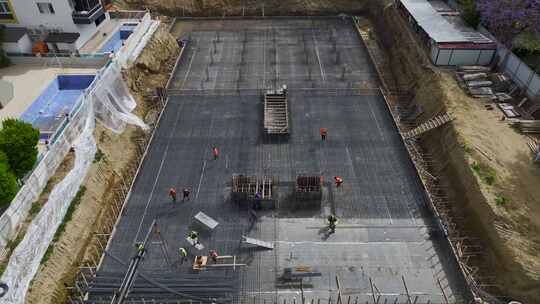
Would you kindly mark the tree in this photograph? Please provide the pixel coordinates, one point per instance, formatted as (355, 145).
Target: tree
(470, 13)
(8, 181)
(507, 18)
(18, 140)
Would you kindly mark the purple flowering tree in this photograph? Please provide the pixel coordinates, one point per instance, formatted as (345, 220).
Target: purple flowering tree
(507, 18)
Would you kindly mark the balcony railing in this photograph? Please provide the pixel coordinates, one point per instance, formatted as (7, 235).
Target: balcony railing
(87, 17)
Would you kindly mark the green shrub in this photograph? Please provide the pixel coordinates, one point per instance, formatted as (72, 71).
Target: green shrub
(486, 174)
(69, 214)
(99, 156)
(18, 140)
(500, 200)
(469, 12)
(8, 181)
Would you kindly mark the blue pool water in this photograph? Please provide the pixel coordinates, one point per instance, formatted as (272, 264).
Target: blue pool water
(115, 41)
(48, 111)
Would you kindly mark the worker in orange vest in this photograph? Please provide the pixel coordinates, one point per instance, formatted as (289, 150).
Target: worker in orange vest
(172, 194)
(338, 180)
(323, 132)
(215, 152)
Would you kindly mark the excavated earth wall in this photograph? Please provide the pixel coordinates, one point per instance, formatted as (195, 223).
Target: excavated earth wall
(508, 237)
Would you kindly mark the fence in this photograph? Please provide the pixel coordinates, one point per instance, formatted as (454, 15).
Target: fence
(127, 14)
(37, 179)
(102, 238)
(76, 61)
(108, 100)
(519, 71)
(137, 40)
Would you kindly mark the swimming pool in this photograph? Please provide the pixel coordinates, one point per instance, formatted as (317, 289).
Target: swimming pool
(49, 110)
(116, 40)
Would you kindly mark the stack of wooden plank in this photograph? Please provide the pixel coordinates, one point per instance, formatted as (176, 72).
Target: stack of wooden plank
(526, 126)
(479, 82)
(534, 145)
(508, 110)
(276, 112)
(474, 69)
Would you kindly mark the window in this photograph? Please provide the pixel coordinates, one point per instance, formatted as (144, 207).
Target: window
(4, 7)
(45, 7)
(5, 11)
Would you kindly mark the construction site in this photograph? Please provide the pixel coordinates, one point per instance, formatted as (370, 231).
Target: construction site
(319, 156)
(387, 245)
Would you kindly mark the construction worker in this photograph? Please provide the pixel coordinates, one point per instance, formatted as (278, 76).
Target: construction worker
(214, 255)
(323, 132)
(185, 193)
(172, 194)
(140, 248)
(332, 222)
(183, 255)
(257, 201)
(215, 152)
(194, 236)
(338, 181)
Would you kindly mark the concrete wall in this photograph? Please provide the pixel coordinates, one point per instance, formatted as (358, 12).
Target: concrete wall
(72, 62)
(24, 45)
(443, 57)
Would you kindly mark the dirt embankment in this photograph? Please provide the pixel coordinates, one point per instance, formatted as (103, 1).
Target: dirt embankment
(117, 153)
(484, 165)
(216, 8)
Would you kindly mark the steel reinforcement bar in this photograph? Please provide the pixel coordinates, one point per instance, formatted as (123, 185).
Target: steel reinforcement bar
(417, 162)
(102, 239)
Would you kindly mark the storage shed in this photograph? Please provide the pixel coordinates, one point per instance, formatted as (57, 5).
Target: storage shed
(448, 41)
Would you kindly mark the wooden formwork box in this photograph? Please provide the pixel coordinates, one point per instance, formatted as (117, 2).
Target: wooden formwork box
(308, 190)
(245, 187)
(276, 113)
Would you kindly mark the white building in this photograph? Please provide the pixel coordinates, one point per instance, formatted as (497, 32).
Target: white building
(71, 23)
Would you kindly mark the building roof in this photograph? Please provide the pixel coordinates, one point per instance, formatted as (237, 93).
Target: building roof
(13, 34)
(62, 37)
(435, 25)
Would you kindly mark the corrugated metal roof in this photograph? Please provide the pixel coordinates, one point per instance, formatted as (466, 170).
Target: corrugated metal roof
(435, 25)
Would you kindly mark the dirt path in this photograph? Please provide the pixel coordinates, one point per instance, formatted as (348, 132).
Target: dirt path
(118, 155)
